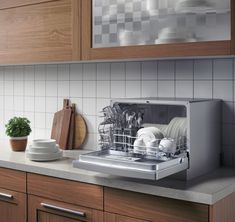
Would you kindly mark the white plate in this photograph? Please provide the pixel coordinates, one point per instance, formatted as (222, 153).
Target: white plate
(44, 150)
(151, 131)
(44, 143)
(44, 157)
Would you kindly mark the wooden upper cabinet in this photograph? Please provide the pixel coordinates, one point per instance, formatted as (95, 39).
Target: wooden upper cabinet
(151, 29)
(39, 31)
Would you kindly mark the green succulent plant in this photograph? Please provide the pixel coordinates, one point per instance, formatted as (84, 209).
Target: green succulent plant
(18, 127)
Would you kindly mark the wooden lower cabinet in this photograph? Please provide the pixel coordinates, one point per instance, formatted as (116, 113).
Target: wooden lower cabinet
(108, 217)
(152, 208)
(13, 206)
(46, 210)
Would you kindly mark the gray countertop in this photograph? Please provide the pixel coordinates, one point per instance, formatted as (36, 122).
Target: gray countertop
(207, 189)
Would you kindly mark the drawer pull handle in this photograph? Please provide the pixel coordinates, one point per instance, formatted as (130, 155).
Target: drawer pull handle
(4, 195)
(64, 210)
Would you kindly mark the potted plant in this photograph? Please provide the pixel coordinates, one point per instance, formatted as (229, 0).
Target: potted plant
(18, 129)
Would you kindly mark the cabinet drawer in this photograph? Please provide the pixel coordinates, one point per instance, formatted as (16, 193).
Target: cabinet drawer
(12, 206)
(42, 209)
(147, 207)
(13, 180)
(66, 191)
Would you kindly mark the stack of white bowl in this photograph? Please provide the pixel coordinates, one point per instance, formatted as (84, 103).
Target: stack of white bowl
(43, 150)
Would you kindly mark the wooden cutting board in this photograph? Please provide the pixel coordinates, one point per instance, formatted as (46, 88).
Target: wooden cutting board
(71, 137)
(80, 131)
(61, 124)
(57, 126)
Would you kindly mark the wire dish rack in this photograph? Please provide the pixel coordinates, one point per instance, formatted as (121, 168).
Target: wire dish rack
(122, 140)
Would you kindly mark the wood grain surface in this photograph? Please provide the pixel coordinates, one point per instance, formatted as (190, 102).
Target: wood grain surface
(14, 210)
(71, 138)
(80, 131)
(233, 26)
(145, 51)
(48, 31)
(13, 180)
(38, 213)
(147, 207)
(82, 194)
(108, 217)
(4, 4)
(224, 210)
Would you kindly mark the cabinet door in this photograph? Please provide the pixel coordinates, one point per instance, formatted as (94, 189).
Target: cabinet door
(40, 31)
(45, 210)
(152, 208)
(12, 206)
(150, 28)
(108, 217)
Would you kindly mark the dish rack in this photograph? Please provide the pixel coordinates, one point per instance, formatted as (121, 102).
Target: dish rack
(122, 140)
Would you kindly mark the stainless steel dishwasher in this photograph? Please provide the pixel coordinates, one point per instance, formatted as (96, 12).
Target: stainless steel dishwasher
(152, 138)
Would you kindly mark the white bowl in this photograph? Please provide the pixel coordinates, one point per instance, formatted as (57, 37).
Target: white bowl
(44, 143)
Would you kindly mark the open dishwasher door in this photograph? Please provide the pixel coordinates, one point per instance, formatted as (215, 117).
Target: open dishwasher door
(131, 165)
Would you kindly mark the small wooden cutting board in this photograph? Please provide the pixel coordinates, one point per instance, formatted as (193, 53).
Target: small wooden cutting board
(80, 131)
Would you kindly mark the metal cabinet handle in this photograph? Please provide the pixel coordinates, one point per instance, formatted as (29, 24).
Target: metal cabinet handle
(64, 210)
(4, 195)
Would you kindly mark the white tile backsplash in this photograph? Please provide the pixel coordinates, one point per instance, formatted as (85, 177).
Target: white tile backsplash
(40, 104)
(19, 73)
(223, 69)
(149, 88)
(203, 89)
(133, 71)
(223, 90)
(51, 72)
(40, 72)
(76, 88)
(29, 73)
(51, 104)
(51, 88)
(183, 88)
(63, 72)
(166, 89)
(75, 72)
(103, 71)
(118, 89)
(89, 72)
(149, 70)
(40, 88)
(166, 70)
(9, 88)
(29, 87)
(18, 88)
(184, 70)
(63, 88)
(18, 103)
(118, 71)
(203, 69)
(133, 89)
(103, 89)
(37, 91)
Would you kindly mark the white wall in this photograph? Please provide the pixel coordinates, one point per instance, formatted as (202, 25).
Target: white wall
(37, 91)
